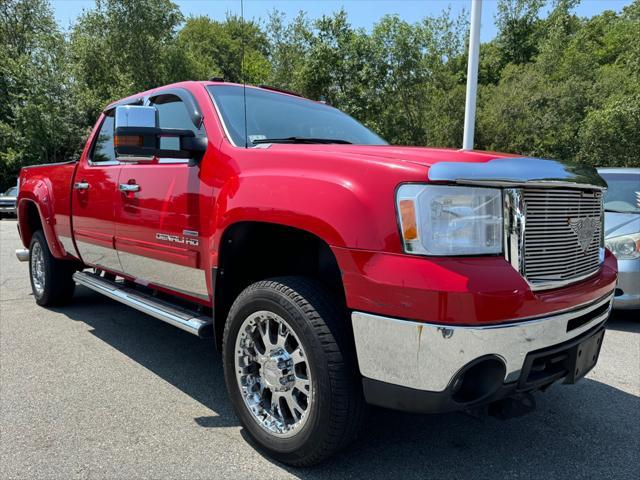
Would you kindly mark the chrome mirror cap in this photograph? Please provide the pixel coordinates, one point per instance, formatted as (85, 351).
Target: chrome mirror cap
(136, 116)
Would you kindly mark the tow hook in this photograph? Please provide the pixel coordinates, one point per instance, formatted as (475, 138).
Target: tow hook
(515, 406)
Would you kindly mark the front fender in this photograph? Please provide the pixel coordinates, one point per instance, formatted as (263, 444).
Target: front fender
(333, 212)
(345, 200)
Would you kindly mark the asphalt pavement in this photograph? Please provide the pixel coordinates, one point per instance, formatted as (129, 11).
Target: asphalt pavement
(98, 390)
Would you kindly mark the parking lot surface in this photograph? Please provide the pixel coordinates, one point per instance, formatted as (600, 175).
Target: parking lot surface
(98, 390)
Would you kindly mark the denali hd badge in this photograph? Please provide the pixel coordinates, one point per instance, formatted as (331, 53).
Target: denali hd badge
(177, 239)
(584, 229)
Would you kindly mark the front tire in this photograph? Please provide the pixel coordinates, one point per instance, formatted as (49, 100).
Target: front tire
(51, 279)
(290, 370)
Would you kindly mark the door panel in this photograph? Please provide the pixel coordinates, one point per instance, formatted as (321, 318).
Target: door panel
(158, 227)
(159, 212)
(94, 198)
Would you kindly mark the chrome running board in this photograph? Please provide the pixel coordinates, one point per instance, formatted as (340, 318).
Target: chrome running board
(187, 320)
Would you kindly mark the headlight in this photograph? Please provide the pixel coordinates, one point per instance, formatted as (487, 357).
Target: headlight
(450, 220)
(625, 247)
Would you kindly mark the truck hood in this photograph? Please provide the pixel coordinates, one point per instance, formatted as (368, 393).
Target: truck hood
(435, 165)
(417, 155)
(449, 165)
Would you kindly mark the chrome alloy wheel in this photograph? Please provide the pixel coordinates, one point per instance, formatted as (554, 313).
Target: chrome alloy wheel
(37, 268)
(273, 373)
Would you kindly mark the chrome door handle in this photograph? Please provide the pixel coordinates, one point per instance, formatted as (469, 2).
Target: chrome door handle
(81, 186)
(129, 187)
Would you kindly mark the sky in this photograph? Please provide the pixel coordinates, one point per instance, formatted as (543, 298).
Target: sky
(361, 13)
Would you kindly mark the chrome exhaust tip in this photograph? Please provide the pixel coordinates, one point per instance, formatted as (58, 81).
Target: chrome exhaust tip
(22, 254)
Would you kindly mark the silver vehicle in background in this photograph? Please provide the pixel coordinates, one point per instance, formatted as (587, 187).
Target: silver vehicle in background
(8, 202)
(622, 231)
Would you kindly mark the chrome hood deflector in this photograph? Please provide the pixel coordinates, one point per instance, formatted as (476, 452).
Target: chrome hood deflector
(516, 171)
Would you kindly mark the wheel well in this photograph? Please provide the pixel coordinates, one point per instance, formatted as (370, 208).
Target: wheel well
(30, 222)
(254, 251)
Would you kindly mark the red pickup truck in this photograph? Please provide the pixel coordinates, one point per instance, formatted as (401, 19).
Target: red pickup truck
(333, 270)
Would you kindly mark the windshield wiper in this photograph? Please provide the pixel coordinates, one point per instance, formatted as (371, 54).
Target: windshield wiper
(300, 140)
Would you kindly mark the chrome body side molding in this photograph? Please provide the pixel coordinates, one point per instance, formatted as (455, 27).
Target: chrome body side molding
(146, 270)
(518, 171)
(98, 255)
(67, 244)
(427, 356)
(186, 320)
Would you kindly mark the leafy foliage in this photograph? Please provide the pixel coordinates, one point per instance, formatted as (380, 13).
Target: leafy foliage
(577, 99)
(559, 86)
(213, 48)
(38, 120)
(120, 48)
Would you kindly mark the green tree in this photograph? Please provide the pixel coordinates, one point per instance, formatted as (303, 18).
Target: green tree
(577, 99)
(120, 48)
(38, 117)
(529, 114)
(517, 22)
(609, 135)
(214, 48)
(561, 86)
(419, 78)
(289, 44)
(339, 66)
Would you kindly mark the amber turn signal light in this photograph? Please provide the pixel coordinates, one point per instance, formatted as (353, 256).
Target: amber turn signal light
(128, 141)
(408, 219)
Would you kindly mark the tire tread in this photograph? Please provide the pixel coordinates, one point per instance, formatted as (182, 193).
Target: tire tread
(329, 324)
(59, 284)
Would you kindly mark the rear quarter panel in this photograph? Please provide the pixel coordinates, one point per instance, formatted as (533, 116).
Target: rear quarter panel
(48, 187)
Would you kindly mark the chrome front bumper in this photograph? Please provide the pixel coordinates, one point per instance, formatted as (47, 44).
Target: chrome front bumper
(427, 357)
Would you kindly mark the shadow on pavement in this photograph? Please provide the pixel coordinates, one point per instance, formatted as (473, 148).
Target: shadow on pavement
(625, 321)
(187, 362)
(586, 430)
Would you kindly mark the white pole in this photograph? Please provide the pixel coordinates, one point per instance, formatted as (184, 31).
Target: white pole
(472, 75)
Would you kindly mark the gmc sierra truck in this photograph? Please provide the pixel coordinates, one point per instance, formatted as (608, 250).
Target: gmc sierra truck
(332, 270)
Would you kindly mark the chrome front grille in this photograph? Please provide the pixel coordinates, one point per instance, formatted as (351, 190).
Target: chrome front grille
(562, 235)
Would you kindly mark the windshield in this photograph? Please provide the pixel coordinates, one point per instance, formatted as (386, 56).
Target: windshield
(12, 192)
(285, 119)
(623, 194)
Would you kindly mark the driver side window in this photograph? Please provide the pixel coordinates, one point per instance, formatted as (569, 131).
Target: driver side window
(103, 150)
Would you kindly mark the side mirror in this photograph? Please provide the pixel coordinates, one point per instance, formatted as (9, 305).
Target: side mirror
(137, 137)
